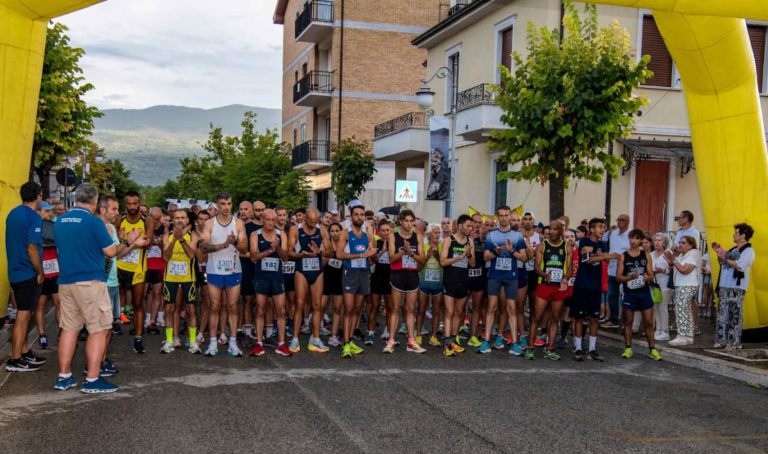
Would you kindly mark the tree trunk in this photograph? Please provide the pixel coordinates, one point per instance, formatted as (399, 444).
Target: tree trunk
(557, 190)
(44, 175)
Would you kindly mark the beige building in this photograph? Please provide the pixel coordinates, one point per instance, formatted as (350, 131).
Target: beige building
(660, 178)
(347, 66)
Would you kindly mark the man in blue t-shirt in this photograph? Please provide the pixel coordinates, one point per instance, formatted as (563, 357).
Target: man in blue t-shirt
(588, 288)
(83, 242)
(503, 248)
(24, 246)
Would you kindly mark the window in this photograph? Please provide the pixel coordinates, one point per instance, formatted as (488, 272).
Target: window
(304, 69)
(506, 48)
(303, 132)
(295, 132)
(453, 64)
(661, 61)
(500, 190)
(757, 38)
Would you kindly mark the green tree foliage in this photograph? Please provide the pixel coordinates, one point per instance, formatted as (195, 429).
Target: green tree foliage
(157, 196)
(109, 176)
(64, 121)
(565, 103)
(120, 178)
(353, 166)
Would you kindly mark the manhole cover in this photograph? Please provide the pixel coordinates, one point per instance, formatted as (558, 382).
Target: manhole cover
(753, 355)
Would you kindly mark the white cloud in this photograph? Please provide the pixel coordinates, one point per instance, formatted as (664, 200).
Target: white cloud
(196, 53)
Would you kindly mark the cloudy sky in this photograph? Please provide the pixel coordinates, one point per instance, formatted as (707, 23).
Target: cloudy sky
(195, 53)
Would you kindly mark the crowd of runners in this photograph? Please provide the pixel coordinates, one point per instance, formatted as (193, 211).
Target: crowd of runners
(259, 279)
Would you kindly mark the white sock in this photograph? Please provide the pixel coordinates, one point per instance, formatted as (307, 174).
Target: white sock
(269, 331)
(592, 343)
(161, 315)
(91, 380)
(577, 343)
(233, 341)
(65, 375)
(146, 319)
(306, 321)
(213, 341)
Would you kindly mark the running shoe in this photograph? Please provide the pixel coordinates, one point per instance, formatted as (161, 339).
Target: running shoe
(239, 336)
(551, 354)
(473, 341)
(270, 341)
(295, 347)
(413, 347)
(116, 329)
(440, 328)
(369, 339)
(194, 348)
(434, 342)
(234, 351)
(499, 344)
(167, 347)
(595, 356)
(757, 385)
(317, 346)
(257, 350)
(507, 337)
(152, 329)
(305, 330)
(124, 320)
(283, 350)
(223, 339)
(495, 330)
(20, 365)
(424, 331)
(324, 331)
(107, 366)
(447, 351)
(355, 349)
(402, 329)
(538, 342)
(333, 341)
(516, 350)
(561, 343)
(347, 351)
(176, 342)
(100, 386)
(456, 347)
(384, 335)
(42, 342)
(213, 350)
(627, 353)
(485, 347)
(103, 373)
(523, 343)
(418, 339)
(529, 353)
(357, 335)
(199, 338)
(138, 346)
(128, 311)
(428, 315)
(32, 359)
(63, 384)
(654, 354)
(389, 348)
(578, 355)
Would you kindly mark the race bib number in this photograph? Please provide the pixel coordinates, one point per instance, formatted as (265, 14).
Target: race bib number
(463, 263)
(504, 264)
(132, 257)
(154, 252)
(529, 265)
(635, 284)
(310, 264)
(475, 272)
(520, 264)
(571, 282)
(225, 265)
(556, 275)
(270, 264)
(384, 258)
(359, 263)
(178, 268)
(289, 267)
(432, 275)
(50, 266)
(335, 263)
(409, 262)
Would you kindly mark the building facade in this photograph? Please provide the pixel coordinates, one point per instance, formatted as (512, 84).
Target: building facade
(659, 179)
(347, 66)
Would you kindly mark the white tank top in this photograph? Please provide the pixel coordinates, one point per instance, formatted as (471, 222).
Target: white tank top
(225, 261)
(535, 240)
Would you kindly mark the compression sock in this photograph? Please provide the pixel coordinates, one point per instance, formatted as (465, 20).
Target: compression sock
(192, 334)
(566, 327)
(169, 335)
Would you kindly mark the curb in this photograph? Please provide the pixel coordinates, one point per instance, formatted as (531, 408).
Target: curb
(715, 366)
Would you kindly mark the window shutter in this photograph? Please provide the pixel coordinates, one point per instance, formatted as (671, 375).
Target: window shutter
(757, 38)
(506, 48)
(661, 61)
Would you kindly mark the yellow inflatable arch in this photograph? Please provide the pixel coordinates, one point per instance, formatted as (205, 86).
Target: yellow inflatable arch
(707, 39)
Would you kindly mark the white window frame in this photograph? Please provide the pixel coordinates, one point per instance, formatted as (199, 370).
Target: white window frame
(500, 28)
(492, 189)
(765, 60)
(303, 130)
(450, 52)
(676, 79)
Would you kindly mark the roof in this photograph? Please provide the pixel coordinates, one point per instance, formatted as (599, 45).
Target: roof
(448, 21)
(279, 17)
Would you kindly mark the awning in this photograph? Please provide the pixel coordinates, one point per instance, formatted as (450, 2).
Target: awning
(319, 182)
(637, 150)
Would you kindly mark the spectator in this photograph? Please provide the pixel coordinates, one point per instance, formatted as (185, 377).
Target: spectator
(581, 232)
(83, 244)
(51, 273)
(687, 269)
(734, 281)
(661, 271)
(707, 294)
(59, 210)
(24, 246)
(685, 221)
(618, 242)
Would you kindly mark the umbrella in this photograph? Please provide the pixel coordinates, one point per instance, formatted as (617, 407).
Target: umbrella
(394, 211)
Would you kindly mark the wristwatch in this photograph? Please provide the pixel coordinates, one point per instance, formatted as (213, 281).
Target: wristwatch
(125, 242)
(182, 241)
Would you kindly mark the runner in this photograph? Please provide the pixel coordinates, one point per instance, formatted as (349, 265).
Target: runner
(534, 239)
(155, 270)
(406, 252)
(247, 291)
(565, 317)
(357, 244)
(289, 269)
(307, 244)
(478, 280)
(634, 272)
(456, 258)
(224, 241)
(554, 267)
(201, 261)
(332, 283)
(379, 280)
(51, 273)
(269, 247)
(518, 348)
(132, 268)
(431, 287)
(179, 250)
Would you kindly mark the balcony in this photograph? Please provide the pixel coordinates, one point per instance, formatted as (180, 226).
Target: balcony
(402, 138)
(458, 18)
(312, 155)
(313, 89)
(477, 114)
(315, 22)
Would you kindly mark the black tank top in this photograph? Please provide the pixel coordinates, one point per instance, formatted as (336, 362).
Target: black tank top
(632, 265)
(459, 271)
(554, 260)
(406, 263)
(333, 271)
(381, 268)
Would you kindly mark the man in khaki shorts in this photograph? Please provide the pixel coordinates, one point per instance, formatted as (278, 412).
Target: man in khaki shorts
(84, 245)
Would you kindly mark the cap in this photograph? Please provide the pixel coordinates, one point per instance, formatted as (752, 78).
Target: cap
(379, 214)
(354, 203)
(540, 225)
(46, 206)
(526, 213)
(334, 212)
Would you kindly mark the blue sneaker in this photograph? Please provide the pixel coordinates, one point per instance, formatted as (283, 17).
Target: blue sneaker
(516, 350)
(109, 367)
(485, 347)
(63, 384)
(499, 344)
(100, 386)
(523, 343)
(103, 373)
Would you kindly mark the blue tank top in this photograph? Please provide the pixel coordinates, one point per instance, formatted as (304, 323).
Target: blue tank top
(309, 264)
(270, 268)
(356, 246)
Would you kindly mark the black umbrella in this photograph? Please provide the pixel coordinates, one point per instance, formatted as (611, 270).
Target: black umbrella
(394, 211)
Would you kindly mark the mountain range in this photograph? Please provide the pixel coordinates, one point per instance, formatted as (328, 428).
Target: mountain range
(150, 142)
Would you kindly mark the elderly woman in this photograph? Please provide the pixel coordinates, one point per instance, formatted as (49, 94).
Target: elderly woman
(661, 270)
(687, 272)
(734, 280)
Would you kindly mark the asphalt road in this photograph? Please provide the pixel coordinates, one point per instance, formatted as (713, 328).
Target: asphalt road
(180, 403)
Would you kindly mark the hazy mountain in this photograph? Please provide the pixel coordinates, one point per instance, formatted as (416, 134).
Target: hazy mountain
(151, 141)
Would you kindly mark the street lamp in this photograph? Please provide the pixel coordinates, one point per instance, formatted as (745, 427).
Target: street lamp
(425, 97)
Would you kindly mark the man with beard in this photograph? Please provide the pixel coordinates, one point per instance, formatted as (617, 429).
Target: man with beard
(478, 279)
(516, 303)
(289, 270)
(252, 224)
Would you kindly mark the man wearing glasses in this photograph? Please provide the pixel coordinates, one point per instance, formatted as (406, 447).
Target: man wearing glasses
(618, 242)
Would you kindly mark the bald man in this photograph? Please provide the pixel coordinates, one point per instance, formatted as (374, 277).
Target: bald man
(258, 212)
(244, 325)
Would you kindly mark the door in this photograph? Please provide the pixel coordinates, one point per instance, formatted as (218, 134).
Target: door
(651, 185)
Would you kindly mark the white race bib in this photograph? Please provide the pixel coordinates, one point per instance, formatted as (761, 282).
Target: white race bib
(50, 266)
(270, 264)
(334, 263)
(520, 264)
(571, 282)
(132, 257)
(154, 252)
(463, 263)
(289, 267)
(384, 258)
(178, 268)
(504, 264)
(432, 275)
(556, 275)
(310, 264)
(475, 272)
(409, 263)
(359, 263)
(635, 284)
(225, 265)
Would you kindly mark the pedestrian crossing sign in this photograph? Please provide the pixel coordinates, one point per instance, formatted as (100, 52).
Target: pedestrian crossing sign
(406, 191)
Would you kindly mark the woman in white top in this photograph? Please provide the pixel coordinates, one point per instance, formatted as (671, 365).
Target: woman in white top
(661, 272)
(687, 272)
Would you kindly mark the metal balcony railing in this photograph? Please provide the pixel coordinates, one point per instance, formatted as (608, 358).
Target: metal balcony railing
(311, 151)
(314, 81)
(474, 96)
(401, 123)
(315, 11)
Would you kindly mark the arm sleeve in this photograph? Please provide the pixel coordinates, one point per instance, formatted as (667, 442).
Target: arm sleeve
(103, 238)
(35, 229)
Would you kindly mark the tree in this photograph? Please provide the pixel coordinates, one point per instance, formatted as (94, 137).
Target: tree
(566, 102)
(293, 191)
(64, 121)
(353, 165)
(155, 197)
(120, 178)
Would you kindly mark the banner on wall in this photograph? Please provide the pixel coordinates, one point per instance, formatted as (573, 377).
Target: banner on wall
(439, 170)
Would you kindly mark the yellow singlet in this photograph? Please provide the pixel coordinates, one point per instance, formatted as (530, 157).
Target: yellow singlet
(136, 261)
(179, 268)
